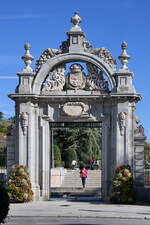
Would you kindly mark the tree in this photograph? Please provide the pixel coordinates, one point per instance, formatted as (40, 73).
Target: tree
(57, 156)
(146, 145)
(85, 141)
(69, 155)
(1, 116)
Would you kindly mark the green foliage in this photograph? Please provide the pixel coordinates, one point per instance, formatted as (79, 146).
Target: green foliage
(19, 186)
(1, 116)
(85, 141)
(57, 156)
(146, 145)
(123, 191)
(69, 155)
(4, 203)
(3, 127)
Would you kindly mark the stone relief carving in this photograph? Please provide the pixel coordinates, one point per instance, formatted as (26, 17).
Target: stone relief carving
(95, 79)
(24, 122)
(102, 53)
(76, 79)
(122, 122)
(64, 47)
(56, 79)
(139, 130)
(47, 54)
(74, 109)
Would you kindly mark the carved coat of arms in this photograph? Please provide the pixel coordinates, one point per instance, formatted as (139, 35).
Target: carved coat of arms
(76, 79)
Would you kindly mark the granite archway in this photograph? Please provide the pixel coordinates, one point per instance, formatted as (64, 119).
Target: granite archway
(41, 99)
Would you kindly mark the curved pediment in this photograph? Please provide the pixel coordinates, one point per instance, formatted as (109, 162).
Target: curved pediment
(75, 50)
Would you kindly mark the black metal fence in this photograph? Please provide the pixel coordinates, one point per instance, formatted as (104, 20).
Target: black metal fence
(3, 163)
(147, 167)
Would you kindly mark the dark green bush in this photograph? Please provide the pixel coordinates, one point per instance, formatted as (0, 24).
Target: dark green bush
(122, 190)
(4, 203)
(19, 186)
(70, 155)
(57, 156)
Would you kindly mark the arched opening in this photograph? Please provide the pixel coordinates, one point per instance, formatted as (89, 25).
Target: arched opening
(80, 142)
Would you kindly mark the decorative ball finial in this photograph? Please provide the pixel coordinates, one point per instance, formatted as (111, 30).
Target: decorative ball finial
(124, 45)
(27, 58)
(27, 46)
(76, 19)
(124, 57)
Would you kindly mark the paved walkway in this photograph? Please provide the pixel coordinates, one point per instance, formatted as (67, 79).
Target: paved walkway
(79, 209)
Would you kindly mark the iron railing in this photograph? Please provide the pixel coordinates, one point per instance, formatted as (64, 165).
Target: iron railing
(147, 167)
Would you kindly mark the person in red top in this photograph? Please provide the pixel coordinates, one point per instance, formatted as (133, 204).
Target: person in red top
(83, 175)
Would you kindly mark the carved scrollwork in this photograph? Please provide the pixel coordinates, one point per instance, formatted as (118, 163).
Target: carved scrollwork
(56, 79)
(102, 53)
(24, 122)
(47, 54)
(106, 56)
(64, 47)
(95, 79)
(122, 122)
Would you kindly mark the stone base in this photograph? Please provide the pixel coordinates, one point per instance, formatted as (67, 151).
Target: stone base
(36, 191)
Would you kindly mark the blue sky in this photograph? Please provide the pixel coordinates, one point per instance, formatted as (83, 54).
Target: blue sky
(44, 24)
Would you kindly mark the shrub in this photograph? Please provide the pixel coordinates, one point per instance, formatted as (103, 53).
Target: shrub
(70, 154)
(19, 186)
(57, 156)
(4, 203)
(122, 190)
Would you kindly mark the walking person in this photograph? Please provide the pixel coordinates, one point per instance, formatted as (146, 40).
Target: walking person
(90, 162)
(74, 164)
(83, 175)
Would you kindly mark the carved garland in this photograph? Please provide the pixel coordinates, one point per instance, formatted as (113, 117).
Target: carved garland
(122, 121)
(24, 122)
(47, 54)
(102, 53)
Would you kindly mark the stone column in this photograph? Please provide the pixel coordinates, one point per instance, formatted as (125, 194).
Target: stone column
(33, 149)
(139, 167)
(105, 158)
(45, 159)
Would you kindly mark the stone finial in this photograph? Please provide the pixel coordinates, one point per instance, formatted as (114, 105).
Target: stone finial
(124, 57)
(27, 58)
(76, 20)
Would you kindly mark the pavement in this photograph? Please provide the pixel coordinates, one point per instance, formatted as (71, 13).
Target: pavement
(79, 208)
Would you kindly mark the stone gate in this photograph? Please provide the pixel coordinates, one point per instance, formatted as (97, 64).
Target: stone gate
(76, 83)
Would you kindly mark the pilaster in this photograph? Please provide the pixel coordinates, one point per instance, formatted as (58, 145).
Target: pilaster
(139, 167)
(45, 160)
(105, 158)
